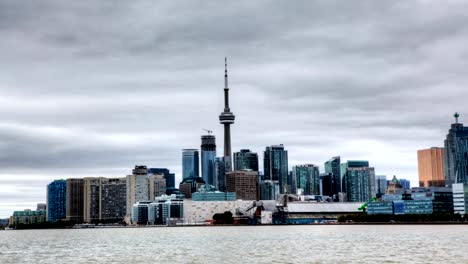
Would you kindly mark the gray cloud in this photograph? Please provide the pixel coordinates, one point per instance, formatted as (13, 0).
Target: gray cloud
(91, 89)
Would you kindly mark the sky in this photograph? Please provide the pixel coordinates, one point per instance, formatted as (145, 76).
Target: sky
(93, 88)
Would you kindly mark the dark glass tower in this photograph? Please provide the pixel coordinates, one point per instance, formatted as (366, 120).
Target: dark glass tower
(332, 167)
(456, 154)
(245, 160)
(190, 162)
(227, 117)
(208, 156)
(275, 162)
(56, 200)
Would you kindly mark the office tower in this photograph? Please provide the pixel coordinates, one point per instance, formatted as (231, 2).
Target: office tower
(456, 154)
(431, 167)
(75, 200)
(243, 183)
(268, 190)
(405, 184)
(359, 181)
(170, 177)
(245, 160)
(137, 187)
(380, 185)
(104, 199)
(190, 163)
(326, 186)
(208, 156)
(227, 117)
(157, 186)
(190, 185)
(307, 178)
(222, 166)
(56, 200)
(460, 198)
(41, 207)
(333, 166)
(292, 183)
(275, 163)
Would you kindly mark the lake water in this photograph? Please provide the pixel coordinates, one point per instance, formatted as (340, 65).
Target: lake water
(240, 244)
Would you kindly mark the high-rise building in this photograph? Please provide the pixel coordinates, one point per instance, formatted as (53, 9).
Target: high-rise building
(275, 163)
(137, 187)
(456, 154)
(208, 156)
(333, 167)
(431, 167)
(380, 185)
(157, 186)
(359, 181)
(243, 183)
(326, 186)
(41, 207)
(170, 177)
(227, 118)
(104, 199)
(190, 163)
(245, 160)
(307, 178)
(75, 200)
(405, 184)
(222, 166)
(56, 200)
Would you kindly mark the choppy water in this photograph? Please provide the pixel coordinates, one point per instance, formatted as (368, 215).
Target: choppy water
(254, 244)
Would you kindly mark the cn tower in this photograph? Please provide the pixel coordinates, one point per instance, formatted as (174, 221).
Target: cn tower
(226, 118)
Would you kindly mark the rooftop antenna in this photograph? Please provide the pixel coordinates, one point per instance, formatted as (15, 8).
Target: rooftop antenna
(456, 115)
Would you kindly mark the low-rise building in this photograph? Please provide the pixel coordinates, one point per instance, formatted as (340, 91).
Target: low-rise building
(28, 217)
(460, 198)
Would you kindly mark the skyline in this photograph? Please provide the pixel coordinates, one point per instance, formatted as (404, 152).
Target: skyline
(95, 101)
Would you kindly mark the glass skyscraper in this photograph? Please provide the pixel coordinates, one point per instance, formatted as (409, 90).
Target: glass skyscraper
(222, 167)
(332, 167)
(208, 156)
(359, 181)
(456, 154)
(245, 160)
(380, 185)
(56, 200)
(190, 161)
(307, 178)
(275, 162)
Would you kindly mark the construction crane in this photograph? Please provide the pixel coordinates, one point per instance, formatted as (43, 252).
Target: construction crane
(208, 131)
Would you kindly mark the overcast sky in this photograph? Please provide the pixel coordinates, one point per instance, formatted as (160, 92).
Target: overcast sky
(91, 89)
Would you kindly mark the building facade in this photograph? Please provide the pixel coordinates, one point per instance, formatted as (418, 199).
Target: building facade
(28, 217)
(431, 167)
(190, 163)
(157, 186)
(275, 163)
(456, 154)
(243, 183)
(208, 157)
(269, 190)
(359, 181)
(245, 160)
(56, 200)
(460, 198)
(170, 177)
(222, 167)
(380, 185)
(137, 187)
(104, 199)
(75, 200)
(307, 178)
(333, 167)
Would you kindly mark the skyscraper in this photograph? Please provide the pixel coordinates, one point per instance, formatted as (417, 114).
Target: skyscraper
(56, 200)
(137, 187)
(75, 200)
(208, 156)
(333, 167)
(359, 181)
(456, 154)
(227, 117)
(157, 186)
(245, 160)
(222, 167)
(170, 177)
(380, 185)
(275, 162)
(307, 178)
(431, 167)
(243, 183)
(190, 161)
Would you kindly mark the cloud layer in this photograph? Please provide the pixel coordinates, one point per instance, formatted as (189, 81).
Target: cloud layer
(91, 89)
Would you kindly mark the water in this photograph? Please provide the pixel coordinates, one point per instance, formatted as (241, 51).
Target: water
(240, 244)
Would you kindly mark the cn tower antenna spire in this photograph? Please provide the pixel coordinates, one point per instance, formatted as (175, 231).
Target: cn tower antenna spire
(226, 118)
(225, 74)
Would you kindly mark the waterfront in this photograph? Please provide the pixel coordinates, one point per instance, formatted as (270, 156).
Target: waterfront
(239, 244)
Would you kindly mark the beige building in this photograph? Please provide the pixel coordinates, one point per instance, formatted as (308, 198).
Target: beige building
(431, 167)
(157, 186)
(243, 183)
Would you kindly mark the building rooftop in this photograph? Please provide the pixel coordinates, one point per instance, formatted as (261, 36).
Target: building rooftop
(324, 207)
